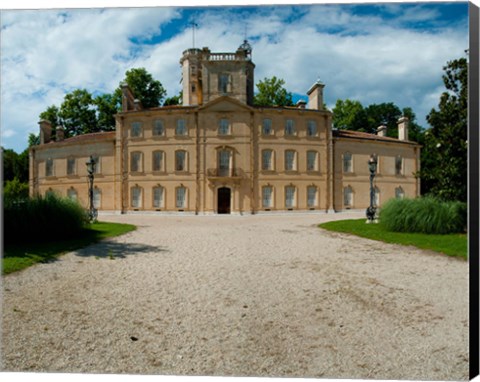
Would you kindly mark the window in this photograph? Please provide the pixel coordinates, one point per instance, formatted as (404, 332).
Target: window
(49, 167)
(290, 196)
(98, 163)
(290, 164)
(348, 197)
(311, 196)
(289, 127)
(267, 127)
(224, 162)
(267, 196)
(181, 197)
(71, 166)
(158, 197)
(267, 159)
(224, 83)
(72, 194)
(180, 160)
(157, 161)
(136, 162)
(136, 197)
(181, 128)
(97, 198)
(347, 162)
(398, 165)
(312, 162)
(158, 128)
(399, 193)
(311, 128)
(223, 127)
(136, 129)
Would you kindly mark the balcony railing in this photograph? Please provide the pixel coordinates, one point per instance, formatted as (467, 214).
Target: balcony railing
(224, 173)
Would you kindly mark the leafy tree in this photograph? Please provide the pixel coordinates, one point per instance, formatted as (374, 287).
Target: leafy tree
(14, 189)
(383, 114)
(52, 115)
(149, 91)
(33, 139)
(175, 100)
(15, 165)
(107, 107)
(78, 114)
(272, 93)
(444, 171)
(349, 115)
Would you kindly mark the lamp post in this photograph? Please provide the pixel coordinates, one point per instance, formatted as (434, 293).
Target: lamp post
(372, 167)
(92, 212)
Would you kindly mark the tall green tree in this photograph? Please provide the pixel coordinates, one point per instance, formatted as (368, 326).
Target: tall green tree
(386, 113)
(107, 107)
(78, 113)
(15, 166)
(148, 90)
(444, 170)
(349, 114)
(272, 93)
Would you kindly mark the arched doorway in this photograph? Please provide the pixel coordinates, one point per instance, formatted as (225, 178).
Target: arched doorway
(223, 200)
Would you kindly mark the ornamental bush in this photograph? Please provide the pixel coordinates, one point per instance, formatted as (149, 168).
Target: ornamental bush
(424, 215)
(42, 219)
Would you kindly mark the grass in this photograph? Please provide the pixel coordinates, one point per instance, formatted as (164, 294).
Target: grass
(20, 256)
(450, 244)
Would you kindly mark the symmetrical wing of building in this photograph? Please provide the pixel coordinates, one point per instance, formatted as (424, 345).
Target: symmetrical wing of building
(217, 153)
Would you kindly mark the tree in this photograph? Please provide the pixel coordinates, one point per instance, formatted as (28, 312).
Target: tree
(15, 190)
(107, 107)
(383, 114)
(15, 165)
(272, 93)
(349, 115)
(175, 100)
(52, 115)
(149, 91)
(78, 114)
(444, 170)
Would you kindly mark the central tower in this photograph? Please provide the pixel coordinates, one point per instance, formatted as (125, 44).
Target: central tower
(207, 75)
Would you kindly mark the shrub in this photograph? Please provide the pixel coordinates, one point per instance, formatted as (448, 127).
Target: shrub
(424, 215)
(15, 190)
(49, 218)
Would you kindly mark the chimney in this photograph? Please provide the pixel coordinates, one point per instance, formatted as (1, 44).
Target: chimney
(59, 133)
(127, 97)
(403, 129)
(301, 104)
(45, 131)
(137, 105)
(382, 131)
(315, 96)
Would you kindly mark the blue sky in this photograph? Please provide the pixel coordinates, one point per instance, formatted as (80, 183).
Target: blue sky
(373, 53)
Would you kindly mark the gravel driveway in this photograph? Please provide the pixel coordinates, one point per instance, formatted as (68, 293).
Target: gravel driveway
(240, 295)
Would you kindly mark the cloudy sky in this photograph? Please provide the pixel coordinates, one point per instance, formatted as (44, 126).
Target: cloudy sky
(373, 53)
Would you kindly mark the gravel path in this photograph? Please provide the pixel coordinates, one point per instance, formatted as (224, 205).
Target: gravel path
(240, 295)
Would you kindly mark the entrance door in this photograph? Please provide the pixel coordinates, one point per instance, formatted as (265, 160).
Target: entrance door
(223, 200)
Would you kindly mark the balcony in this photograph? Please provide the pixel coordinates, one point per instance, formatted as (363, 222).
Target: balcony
(225, 173)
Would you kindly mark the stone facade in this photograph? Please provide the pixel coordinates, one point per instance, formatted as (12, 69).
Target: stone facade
(217, 153)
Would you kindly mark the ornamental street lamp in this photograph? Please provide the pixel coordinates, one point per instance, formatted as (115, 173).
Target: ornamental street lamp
(372, 167)
(92, 212)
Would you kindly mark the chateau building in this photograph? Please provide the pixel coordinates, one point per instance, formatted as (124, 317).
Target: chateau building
(218, 153)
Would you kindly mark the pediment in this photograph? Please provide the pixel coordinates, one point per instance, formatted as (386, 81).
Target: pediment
(225, 104)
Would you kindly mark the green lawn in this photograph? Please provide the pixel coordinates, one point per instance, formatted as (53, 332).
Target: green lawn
(451, 244)
(20, 256)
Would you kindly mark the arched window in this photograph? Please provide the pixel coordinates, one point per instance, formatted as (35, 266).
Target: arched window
(97, 198)
(267, 196)
(136, 164)
(72, 194)
(181, 197)
(136, 197)
(136, 130)
(267, 160)
(311, 128)
(158, 128)
(158, 161)
(290, 196)
(224, 127)
(290, 160)
(180, 160)
(311, 196)
(399, 193)
(312, 160)
(398, 165)
(347, 163)
(158, 197)
(348, 197)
